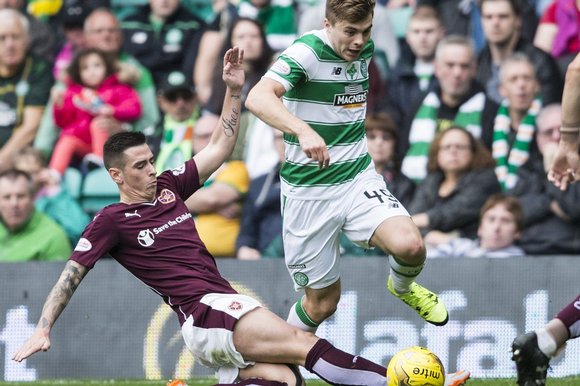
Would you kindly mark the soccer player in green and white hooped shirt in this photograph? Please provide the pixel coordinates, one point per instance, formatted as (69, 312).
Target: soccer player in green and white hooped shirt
(329, 182)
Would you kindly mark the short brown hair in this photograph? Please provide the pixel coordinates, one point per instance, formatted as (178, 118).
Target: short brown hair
(511, 204)
(425, 12)
(353, 11)
(481, 156)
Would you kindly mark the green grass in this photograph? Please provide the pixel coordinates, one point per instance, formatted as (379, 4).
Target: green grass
(570, 381)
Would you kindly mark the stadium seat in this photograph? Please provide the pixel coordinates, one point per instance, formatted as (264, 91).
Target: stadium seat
(98, 191)
(72, 181)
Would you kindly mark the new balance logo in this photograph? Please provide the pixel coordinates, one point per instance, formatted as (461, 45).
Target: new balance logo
(336, 70)
(135, 214)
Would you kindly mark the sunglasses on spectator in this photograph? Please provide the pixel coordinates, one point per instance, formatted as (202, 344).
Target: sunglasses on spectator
(173, 96)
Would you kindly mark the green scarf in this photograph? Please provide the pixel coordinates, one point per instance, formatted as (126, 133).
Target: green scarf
(509, 160)
(424, 127)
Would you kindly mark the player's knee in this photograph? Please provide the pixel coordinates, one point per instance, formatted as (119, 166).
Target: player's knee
(321, 309)
(411, 249)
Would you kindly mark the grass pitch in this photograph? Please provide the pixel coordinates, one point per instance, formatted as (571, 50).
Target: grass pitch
(569, 381)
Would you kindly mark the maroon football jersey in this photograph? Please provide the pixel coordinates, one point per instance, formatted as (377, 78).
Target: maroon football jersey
(158, 243)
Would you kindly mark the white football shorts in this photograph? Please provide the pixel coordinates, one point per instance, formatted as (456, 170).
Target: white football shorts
(208, 333)
(311, 228)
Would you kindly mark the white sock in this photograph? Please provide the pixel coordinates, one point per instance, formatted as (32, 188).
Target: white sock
(403, 275)
(546, 342)
(297, 317)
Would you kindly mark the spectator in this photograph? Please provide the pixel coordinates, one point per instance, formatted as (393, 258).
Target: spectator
(164, 37)
(514, 129)
(94, 92)
(217, 205)
(559, 31)
(25, 233)
(174, 133)
(41, 38)
(502, 21)
(552, 216)
(51, 197)
(500, 225)
(457, 100)
(382, 140)
(261, 221)
(462, 17)
(278, 18)
(20, 74)
(102, 31)
(461, 178)
(414, 73)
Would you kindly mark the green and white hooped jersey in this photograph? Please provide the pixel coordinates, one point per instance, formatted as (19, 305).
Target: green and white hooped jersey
(329, 94)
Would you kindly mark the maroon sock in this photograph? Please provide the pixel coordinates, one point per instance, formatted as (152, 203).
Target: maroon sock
(256, 382)
(339, 368)
(570, 315)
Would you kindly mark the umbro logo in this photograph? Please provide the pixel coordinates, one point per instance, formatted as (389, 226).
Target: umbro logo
(135, 214)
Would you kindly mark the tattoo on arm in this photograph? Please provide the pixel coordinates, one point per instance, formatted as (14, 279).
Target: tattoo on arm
(60, 295)
(231, 123)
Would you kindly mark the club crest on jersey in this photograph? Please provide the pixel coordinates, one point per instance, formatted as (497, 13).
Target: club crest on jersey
(235, 306)
(146, 238)
(83, 245)
(166, 196)
(354, 96)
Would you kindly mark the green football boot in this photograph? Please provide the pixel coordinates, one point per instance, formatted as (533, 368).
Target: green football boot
(424, 302)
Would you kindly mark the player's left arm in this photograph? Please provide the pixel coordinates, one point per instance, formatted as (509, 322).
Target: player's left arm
(226, 133)
(57, 300)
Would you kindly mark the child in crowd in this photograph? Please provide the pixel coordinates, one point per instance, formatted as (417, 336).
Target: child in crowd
(500, 226)
(93, 91)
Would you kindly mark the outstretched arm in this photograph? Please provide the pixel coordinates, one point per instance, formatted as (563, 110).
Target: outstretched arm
(225, 135)
(55, 303)
(566, 164)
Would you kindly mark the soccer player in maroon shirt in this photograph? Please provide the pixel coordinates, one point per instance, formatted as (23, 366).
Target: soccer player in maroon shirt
(152, 234)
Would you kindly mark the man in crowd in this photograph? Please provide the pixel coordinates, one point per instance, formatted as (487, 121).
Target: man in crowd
(502, 21)
(25, 233)
(164, 37)
(25, 82)
(458, 99)
(414, 73)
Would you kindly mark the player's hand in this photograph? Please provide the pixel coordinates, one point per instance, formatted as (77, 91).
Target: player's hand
(233, 74)
(314, 147)
(39, 341)
(565, 167)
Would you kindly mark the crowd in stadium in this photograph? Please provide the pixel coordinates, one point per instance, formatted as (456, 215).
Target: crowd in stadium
(463, 117)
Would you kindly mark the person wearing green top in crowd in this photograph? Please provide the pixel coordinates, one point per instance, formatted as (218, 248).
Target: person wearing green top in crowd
(25, 233)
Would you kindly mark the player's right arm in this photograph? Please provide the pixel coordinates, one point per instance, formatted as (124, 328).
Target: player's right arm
(55, 303)
(265, 103)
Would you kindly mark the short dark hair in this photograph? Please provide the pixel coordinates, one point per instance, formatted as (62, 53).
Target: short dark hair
(511, 204)
(114, 148)
(352, 11)
(13, 174)
(74, 69)
(515, 5)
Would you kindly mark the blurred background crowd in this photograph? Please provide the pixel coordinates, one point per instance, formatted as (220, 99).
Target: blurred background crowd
(463, 117)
